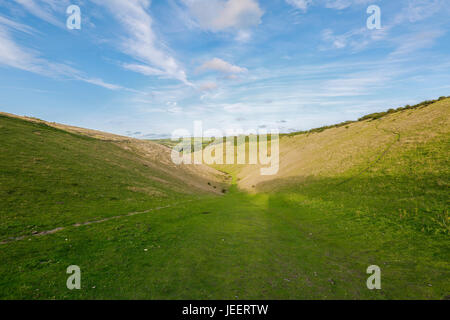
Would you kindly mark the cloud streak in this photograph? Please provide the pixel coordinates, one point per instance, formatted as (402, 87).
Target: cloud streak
(15, 56)
(140, 42)
(303, 5)
(219, 15)
(236, 16)
(44, 9)
(300, 4)
(415, 11)
(222, 66)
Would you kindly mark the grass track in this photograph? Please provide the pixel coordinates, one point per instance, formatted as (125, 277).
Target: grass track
(237, 247)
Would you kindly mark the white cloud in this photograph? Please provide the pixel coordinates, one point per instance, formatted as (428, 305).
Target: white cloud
(414, 11)
(172, 107)
(300, 4)
(332, 4)
(414, 42)
(208, 86)
(243, 36)
(141, 42)
(143, 69)
(15, 25)
(44, 9)
(15, 56)
(220, 65)
(221, 15)
(356, 39)
(342, 4)
(99, 82)
(353, 85)
(240, 108)
(12, 55)
(418, 10)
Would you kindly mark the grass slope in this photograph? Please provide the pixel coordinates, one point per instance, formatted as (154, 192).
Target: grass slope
(377, 196)
(51, 178)
(399, 162)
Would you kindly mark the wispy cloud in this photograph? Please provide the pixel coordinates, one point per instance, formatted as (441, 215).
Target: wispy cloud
(413, 42)
(218, 15)
(140, 42)
(44, 9)
(15, 56)
(354, 84)
(208, 86)
(143, 69)
(237, 16)
(303, 5)
(356, 39)
(300, 4)
(415, 11)
(98, 82)
(16, 26)
(343, 4)
(220, 65)
(418, 10)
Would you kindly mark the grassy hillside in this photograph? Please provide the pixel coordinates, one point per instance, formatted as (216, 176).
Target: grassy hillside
(51, 178)
(371, 192)
(399, 161)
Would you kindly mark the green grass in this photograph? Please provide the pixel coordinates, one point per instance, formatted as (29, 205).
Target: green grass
(413, 195)
(189, 146)
(311, 239)
(51, 178)
(239, 246)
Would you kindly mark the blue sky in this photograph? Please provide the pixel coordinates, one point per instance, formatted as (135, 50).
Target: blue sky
(146, 68)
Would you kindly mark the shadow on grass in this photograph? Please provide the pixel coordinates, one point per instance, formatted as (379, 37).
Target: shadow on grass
(420, 203)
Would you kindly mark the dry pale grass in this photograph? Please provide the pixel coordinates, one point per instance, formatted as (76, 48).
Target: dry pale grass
(345, 150)
(184, 178)
(333, 152)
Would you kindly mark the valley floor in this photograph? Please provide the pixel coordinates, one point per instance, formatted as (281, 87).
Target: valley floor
(239, 246)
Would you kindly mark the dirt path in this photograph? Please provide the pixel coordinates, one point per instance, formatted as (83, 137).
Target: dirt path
(77, 225)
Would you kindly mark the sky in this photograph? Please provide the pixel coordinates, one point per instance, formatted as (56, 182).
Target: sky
(147, 68)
